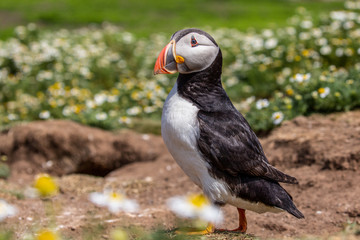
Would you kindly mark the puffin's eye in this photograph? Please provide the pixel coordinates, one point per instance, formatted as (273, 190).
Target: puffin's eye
(193, 41)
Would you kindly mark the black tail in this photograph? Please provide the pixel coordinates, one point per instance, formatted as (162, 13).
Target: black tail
(295, 212)
(289, 205)
(282, 199)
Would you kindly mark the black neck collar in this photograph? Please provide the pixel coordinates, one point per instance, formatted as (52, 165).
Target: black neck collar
(204, 88)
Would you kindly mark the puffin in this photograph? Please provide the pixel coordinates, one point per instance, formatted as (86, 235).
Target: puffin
(210, 139)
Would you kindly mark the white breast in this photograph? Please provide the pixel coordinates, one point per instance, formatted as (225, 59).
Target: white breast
(180, 130)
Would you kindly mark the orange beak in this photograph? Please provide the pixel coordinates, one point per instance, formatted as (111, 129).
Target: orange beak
(165, 63)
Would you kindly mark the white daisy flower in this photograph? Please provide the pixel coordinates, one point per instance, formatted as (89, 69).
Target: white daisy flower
(262, 103)
(300, 78)
(114, 201)
(195, 206)
(325, 50)
(12, 116)
(6, 210)
(323, 92)
(271, 43)
(101, 116)
(90, 104)
(100, 98)
(339, 52)
(44, 114)
(67, 111)
(277, 117)
(307, 24)
(133, 111)
(124, 120)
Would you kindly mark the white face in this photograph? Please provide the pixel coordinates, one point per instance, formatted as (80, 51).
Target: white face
(198, 52)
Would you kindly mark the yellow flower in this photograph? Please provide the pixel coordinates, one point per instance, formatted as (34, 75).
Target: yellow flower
(46, 234)
(305, 53)
(118, 234)
(56, 86)
(40, 95)
(350, 81)
(135, 95)
(84, 93)
(297, 58)
(289, 91)
(157, 88)
(53, 103)
(149, 95)
(198, 200)
(77, 108)
(321, 90)
(115, 91)
(262, 67)
(337, 94)
(45, 185)
(298, 97)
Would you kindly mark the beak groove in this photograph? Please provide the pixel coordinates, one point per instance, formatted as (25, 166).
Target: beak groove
(165, 63)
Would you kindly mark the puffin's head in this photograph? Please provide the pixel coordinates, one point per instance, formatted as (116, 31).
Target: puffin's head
(190, 50)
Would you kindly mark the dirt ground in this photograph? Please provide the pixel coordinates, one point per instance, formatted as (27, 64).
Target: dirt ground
(322, 152)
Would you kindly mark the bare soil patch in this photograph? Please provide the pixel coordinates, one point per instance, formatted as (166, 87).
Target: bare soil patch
(322, 152)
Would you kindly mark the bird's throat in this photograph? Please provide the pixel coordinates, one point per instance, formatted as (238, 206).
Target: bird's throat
(204, 88)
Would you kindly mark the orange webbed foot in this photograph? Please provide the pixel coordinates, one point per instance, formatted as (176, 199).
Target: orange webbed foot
(242, 223)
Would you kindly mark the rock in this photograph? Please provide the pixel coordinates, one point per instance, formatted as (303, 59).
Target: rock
(63, 147)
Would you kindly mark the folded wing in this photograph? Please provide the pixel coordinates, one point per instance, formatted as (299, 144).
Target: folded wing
(228, 144)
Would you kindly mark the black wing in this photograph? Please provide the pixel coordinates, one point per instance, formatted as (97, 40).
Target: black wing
(228, 144)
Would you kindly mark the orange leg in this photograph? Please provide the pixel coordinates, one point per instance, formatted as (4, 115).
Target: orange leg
(242, 223)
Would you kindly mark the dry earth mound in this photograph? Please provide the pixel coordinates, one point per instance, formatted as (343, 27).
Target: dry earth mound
(330, 142)
(64, 147)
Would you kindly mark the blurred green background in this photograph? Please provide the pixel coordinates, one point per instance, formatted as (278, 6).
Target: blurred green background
(144, 17)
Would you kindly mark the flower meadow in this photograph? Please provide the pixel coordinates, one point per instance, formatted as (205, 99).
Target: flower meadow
(103, 76)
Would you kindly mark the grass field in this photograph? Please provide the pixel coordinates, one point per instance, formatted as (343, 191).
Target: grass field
(144, 17)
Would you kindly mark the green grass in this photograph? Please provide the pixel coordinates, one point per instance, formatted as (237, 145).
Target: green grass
(144, 17)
